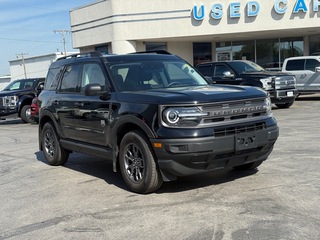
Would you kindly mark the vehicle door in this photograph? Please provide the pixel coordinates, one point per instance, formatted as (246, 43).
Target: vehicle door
(223, 74)
(91, 115)
(297, 67)
(311, 75)
(64, 101)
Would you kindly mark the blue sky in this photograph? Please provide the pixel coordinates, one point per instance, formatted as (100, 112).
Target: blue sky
(27, 26)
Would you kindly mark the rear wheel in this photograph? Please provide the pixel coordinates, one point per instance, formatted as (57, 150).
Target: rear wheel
(26, 114)
(53, 152)
(248, 166)
(137, 164)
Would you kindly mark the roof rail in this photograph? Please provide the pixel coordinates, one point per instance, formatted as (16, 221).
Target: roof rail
(155, 51)
(82, 55)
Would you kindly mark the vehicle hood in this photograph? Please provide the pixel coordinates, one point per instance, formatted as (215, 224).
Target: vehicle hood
(15, 92)
(196, 94)
(263, 74)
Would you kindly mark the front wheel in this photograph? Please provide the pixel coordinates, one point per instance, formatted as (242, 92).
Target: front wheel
(137, 164)
(26, 114)
(53, 152)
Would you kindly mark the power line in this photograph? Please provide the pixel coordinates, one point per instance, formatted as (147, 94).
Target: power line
(63, 35)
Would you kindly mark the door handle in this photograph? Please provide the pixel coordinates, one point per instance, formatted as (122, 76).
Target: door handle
(303, 75)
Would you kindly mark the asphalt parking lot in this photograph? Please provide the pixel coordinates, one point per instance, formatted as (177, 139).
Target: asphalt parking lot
(85, 199)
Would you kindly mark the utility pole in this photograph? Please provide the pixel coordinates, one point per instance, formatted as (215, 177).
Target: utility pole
(63, 35)
(23, 63)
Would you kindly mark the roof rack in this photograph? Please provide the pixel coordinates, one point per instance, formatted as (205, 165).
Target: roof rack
(156, 52)
(82, 55)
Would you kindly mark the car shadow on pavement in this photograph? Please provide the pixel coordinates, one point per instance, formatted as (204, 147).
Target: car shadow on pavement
(102, 169)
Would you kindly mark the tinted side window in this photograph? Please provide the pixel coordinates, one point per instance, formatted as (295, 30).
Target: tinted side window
(311, 64)
(220, 69)
(206, 70)
(294, 65)
(70, 79)
(92, 73)
(52, 79)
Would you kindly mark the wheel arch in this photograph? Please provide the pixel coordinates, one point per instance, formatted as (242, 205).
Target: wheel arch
(124, 125)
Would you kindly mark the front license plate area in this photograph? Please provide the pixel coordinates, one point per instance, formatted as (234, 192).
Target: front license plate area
(289, 94)
(245, 141)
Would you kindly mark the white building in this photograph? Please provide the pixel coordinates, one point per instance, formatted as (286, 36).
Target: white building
(4, 81)
(33, 67)
(263, 31)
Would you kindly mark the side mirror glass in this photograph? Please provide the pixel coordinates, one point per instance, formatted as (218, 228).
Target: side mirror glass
(228, 74)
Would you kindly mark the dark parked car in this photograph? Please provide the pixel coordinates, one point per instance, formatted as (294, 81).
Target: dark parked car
(16, 98)
(281, 86)
(153, 116)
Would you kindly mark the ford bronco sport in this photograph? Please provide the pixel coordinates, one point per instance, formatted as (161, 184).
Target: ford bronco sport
(153, 116)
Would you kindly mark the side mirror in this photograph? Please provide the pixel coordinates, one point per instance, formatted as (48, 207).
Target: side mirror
(92, 89)
(228, 74)
(40, 87)
(317, 69)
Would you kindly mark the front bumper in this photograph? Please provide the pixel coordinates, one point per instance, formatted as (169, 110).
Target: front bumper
(183, 157)
(283, 96)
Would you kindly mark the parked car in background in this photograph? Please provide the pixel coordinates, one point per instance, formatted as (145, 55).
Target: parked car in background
(35, 110)
(16, 98)
(307, 72)
(281, 86)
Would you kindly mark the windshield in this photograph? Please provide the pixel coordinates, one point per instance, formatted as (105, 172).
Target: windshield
(19, 84)
(246, 66)
(136, 76)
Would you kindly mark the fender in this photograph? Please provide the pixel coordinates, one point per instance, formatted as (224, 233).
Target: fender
(121, 122)
(23, 99)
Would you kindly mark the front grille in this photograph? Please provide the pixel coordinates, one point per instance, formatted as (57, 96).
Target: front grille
(236, 130)
(285, 82)
(234, 111)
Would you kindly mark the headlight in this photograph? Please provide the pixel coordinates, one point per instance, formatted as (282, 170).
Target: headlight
(182, 116)
(10, 101)
(267, 106)
(266, 83)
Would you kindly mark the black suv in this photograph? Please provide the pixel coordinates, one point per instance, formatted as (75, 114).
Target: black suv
(281, 86)
(16, 98)
(153, 115)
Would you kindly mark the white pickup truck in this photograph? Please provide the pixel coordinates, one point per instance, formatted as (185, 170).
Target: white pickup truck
(307, 72)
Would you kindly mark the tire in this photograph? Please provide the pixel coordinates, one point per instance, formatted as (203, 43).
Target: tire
(249, 166)
(284, 105)
(26, 114)
(138, 165)
(53, 152)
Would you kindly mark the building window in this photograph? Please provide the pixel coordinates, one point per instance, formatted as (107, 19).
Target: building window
(243, 50)
(152, 46)
(315, 45)
(290, 47)
(103, 49)
(201, 53)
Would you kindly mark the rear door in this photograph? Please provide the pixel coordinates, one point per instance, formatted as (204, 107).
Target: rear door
(65, 99)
